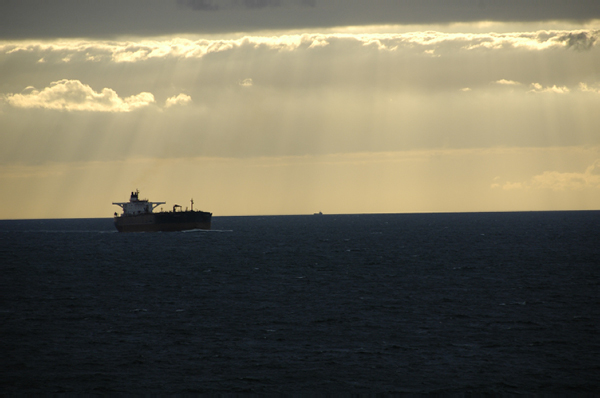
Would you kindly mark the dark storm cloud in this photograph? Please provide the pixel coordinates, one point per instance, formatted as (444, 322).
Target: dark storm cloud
(75, 18)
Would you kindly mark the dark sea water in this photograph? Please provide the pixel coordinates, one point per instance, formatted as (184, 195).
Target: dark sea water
(395, 303)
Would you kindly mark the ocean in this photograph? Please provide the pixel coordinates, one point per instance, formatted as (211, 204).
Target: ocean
(356, 304)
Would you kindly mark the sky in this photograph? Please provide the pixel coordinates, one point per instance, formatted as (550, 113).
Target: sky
(269, 107)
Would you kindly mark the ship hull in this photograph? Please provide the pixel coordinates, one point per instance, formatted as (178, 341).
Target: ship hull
(164, 222)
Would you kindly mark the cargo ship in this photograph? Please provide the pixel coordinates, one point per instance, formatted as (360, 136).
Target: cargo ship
(138, 216)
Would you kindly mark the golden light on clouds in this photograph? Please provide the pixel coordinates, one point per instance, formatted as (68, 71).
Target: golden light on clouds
(179, 99)
(137, 51)
(72, 95)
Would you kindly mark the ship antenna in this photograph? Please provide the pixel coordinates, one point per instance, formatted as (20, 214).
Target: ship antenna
(192, 204)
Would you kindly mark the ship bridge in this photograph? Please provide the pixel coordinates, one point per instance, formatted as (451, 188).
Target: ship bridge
(137, 205)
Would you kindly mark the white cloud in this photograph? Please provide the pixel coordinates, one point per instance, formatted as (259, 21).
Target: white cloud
(180, 99)
(72, 95)
(538, 88)
(507, 82)
(319, 43)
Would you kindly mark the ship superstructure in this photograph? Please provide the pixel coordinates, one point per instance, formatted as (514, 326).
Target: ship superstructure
(137, 205)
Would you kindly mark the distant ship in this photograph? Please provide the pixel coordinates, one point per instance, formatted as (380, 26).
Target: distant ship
(138, 216)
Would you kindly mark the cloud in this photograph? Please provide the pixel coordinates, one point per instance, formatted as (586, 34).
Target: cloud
(319, 43)
(180, 99)
(550, 89)
(540, 40)
(557, 181)
(72, 95)
(538, 88)
(246, 83)
(507, 82)
(429, 43)
(579, 40)
(585, 88)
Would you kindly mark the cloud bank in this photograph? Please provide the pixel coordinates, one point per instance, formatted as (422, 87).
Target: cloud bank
(427, 42)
